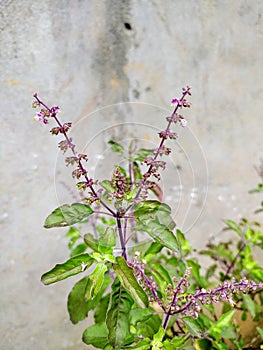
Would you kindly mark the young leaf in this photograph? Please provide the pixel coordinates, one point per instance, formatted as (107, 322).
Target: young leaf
(95, 281)
(181, 342)
(79, 249)
(136, 171)
(160, 233)
(74, 234)
(154, 249)
(157, 339)
(69, 268)
(67, 215)
(116, 147)
(117, 318)
(196, 273)
(106, 184)
(150, 207)
(96, 335)
(129, 282)
(143, 153)
(141, 345)
(91, 242)
(78, 305)
(107, 241)
(160, 274)
(234, 226)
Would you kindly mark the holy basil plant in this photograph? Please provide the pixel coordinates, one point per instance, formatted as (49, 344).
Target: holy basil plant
(154, 294)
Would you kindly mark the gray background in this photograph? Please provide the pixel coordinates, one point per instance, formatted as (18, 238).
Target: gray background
(80, 55)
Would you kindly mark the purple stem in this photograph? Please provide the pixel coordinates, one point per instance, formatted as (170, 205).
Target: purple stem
(123, 247)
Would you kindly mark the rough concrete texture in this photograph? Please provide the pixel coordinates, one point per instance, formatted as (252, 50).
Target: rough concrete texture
(85, 55)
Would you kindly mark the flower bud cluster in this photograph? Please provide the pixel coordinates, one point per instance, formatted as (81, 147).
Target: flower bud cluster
(165, 134)
(190, 305)
(182, 302)
(64, 145)
(148, 285)
(120, 185)
(61, 129)
(45, 112)
(162, 151)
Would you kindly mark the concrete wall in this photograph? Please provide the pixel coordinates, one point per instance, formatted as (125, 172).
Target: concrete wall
(81, 56)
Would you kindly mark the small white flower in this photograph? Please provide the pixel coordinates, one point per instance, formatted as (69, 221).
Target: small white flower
(183, 122)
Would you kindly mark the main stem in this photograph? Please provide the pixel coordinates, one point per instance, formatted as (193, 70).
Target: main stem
(123, 246)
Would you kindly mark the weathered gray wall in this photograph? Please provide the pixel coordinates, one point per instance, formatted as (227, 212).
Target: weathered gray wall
(79, 55)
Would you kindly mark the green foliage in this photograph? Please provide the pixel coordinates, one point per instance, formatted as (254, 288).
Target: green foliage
(69, 268)
(156, 295)
(96, 335)
(129, 282)
(67, 215)
(117, 317)
(80, 302)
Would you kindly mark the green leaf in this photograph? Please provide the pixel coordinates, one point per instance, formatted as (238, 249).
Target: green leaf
(251, 305)
(101, 309)
(183, 242)
(117, 318)
(154, 249)
(149, 326)
(79, 249)
(221, 324)
(106, 184)
(91, 242)
(160, 233)
(136, 171)
(225, 319)
(78, 305)
(157, 339)
(107, 241)
(141, 345)
(258, 189)
(140, 315)
(204, 320)
(69, 268)
(95, 282)
(260, 332)
(74, 234)
(161, 276)
(96, 335)
(179, 341)
(142, 154)
(234, 226)
(196, 273)
(116, 147)
(203, 344)
(210, 271)
(67, 215)
(193, 326)
(150, 207)
(220, 345)
(129, 282)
